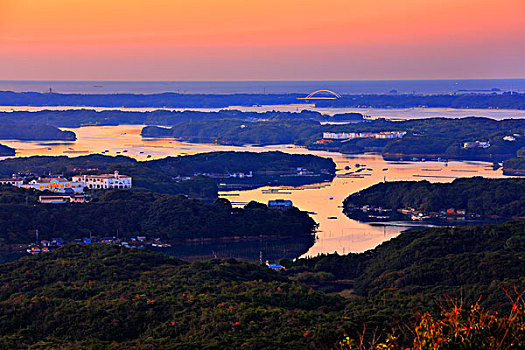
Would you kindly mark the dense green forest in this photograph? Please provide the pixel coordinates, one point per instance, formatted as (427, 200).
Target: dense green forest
(477, 195)
(495, 100)
(128, 214)
(108, 297)
(167, 175)
(239, 132)
(6, 151)
(475, 259)
(30, 132)
(85, 117)
(97, 297)
(425, 138)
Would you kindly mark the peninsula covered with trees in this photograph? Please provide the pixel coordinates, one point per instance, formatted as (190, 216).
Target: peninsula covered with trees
(474, 197)
(6, 151)
(129, 214)
(196, 176)
(33, 132)
(428, 262)
(108, 296)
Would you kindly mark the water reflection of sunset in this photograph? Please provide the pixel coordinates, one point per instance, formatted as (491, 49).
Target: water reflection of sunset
(342, 234)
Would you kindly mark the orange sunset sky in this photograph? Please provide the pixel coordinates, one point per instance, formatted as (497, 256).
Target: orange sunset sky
(261, 40)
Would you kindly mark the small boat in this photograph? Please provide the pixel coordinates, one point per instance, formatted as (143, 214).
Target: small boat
(332, 217)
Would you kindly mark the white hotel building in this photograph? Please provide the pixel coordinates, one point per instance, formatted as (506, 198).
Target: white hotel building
(104, 181)
(76, 185)
(357, 135)
(54, 185)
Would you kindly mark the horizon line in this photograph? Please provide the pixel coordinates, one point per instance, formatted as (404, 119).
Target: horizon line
(252, 81)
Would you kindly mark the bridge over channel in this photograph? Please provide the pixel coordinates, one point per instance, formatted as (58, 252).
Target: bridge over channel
(316, 95)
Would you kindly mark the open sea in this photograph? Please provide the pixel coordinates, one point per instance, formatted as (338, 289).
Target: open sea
(270, 87)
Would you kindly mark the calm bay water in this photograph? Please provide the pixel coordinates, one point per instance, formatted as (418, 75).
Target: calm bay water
(394, 114)
(336, 231)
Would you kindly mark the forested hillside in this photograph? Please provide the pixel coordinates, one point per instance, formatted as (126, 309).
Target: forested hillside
(477, 195)
(472, 259)
(169, 175)
(108, 297)
(128, 214)
(96, 297)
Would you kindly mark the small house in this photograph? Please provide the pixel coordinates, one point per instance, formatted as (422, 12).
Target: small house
(280, 204)
(57, 241)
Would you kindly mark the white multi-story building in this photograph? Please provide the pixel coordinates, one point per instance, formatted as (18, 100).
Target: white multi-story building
(104, 181)
(13, 182)
(357, 135)
(474, 144)
(340, 135)
(390, 135)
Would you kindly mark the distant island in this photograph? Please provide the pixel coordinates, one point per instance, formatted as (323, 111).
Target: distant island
(445, 138)
(496, 99)
(471, 138)
(462, 199)
(239, 132)
(33, 132)
(90, 117)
